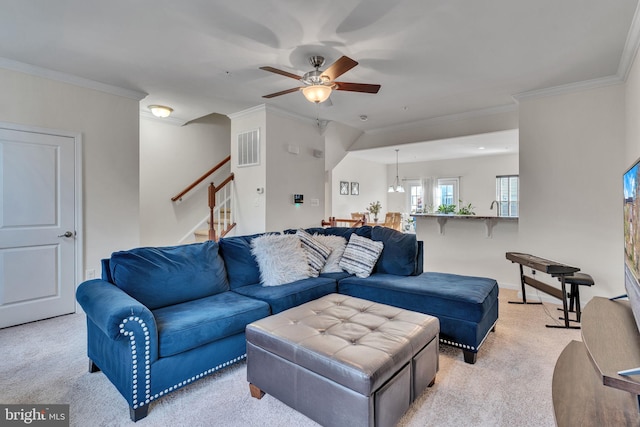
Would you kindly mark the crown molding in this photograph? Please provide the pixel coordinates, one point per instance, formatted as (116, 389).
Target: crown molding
(630, 47)
(629, 53)
(276, 110)
(569, 88)
(248, 111)
(46, 73)
(508, 108)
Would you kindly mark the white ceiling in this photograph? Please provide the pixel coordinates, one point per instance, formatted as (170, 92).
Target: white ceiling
(486, 144)
(433, 58)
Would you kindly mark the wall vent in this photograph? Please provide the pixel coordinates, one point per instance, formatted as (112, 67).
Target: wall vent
(249, 148)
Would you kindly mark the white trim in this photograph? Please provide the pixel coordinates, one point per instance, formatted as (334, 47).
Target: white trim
(569, 88)
(248, 111)
(190, 236)
(624, 66)
(78, 184)
(46, 73)
(271, 109)
(508, 108)
(630, 47)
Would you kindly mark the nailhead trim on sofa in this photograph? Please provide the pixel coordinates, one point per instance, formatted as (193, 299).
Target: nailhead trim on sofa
(147, 366)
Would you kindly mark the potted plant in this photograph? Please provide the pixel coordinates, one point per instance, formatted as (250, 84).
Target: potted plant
(374, 209)
(466, 209)
(447, 209)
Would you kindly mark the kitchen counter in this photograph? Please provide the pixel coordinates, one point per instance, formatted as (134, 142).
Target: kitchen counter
(489, 221)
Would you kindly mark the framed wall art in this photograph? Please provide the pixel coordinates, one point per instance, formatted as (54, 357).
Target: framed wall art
(355, 188)
(344, 188)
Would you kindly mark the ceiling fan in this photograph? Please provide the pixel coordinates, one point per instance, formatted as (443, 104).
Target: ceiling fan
(319, 84)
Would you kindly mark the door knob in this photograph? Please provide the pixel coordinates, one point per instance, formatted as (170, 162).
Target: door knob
(66, 234)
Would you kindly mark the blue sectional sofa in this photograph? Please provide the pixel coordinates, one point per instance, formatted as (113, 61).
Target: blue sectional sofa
(161, 318)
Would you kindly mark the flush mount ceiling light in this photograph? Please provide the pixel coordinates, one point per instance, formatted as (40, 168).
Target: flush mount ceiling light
(160, 110)
(396, 187)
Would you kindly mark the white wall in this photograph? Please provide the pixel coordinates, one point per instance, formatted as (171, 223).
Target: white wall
(464, 247)
(250, 208)
(289, 174)
(373, 183)
(281, 173)
(632, 110)
(477, 178)
(337, 139)
(109, 127)
(572, 157)
(172, 157)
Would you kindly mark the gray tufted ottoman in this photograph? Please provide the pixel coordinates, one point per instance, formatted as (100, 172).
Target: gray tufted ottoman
(344, 361)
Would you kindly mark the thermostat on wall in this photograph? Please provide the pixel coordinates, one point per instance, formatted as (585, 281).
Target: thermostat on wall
(298, 199)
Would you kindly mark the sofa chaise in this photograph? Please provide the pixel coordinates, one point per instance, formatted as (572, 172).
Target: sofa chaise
(161, 318)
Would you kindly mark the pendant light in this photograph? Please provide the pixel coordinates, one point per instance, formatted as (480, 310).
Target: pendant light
(396, 187)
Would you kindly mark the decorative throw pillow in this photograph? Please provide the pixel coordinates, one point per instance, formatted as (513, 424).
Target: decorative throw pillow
(360, 255)
(336, 244)
(317, 253)
(281, 259)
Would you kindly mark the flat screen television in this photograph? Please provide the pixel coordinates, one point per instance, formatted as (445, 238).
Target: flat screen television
(631, 213)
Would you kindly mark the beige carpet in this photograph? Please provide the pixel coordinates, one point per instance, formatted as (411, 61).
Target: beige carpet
(510, 385)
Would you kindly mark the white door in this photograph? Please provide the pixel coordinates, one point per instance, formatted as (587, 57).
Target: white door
(37, 226)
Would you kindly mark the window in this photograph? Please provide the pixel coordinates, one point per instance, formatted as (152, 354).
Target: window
(507, 195)
(447, 191)
(415, 198)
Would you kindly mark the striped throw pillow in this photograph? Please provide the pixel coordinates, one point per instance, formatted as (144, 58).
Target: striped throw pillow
(317, 253)
(360, 255)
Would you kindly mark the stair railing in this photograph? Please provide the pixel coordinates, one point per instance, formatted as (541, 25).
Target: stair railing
(194, 184)
(220, 201)
(220, 208)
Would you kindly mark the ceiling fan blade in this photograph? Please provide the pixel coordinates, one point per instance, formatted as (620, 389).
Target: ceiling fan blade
(282, 92)
(281, 72)
(357, 87)
(339, 67)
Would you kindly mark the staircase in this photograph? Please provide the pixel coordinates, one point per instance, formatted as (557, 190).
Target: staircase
(220, 226)
(220, 200)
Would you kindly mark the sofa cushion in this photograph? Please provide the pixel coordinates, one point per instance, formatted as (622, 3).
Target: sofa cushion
(466, 306)
(360, 256)
(316, 251)
(189, 325)
(242, 268)
(280, 258)
(399, 255)
(337, 245)
(336, 276)
(437, 294)
(292, 294)
(162, 276)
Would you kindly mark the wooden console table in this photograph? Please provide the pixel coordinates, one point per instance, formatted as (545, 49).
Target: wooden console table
(555, 269)
(587, 390)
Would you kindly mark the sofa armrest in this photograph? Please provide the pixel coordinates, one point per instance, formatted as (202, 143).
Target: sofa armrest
(107, 306)
(419, 259)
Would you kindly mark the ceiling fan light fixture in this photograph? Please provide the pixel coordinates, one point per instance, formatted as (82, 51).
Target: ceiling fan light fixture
(161, 111)
(316, 93)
